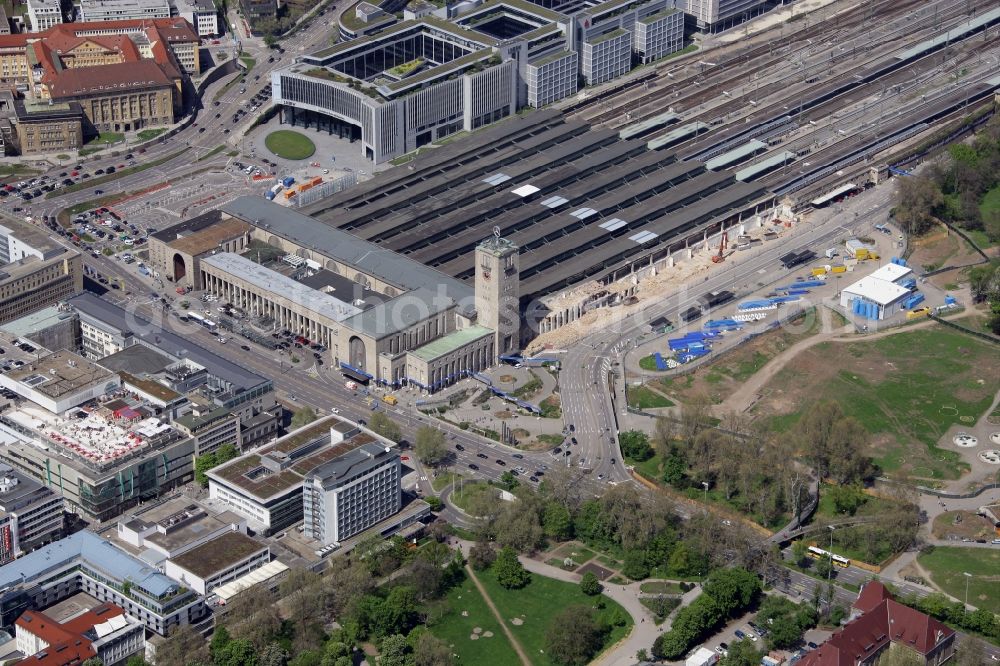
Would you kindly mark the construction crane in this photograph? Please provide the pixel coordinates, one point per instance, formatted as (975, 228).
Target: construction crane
(720, 257)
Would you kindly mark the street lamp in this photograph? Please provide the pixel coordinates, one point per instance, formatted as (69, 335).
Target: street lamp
(829, 574)
(968, 576)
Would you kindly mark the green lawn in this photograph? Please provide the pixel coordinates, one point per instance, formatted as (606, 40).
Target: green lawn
(640, 397)
(948, 564)
(149, 134)
(439, 482)
(212, 153)
(535, 605)
(248, 62)
(648, 363)
(107, 138)
(290, 145)
(17, 170)
(907, 388)
(661, 587)
(456, 628)
(462, 497)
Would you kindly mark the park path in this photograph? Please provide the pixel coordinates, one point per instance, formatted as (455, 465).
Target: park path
(522, 655)
(644, 629)
(744, 395)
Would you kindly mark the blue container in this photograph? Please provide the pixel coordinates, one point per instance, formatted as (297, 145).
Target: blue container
(269, 196)
(287, 181)
(949, 300)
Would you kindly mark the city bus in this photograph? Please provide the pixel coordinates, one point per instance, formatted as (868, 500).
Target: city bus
(820, 554)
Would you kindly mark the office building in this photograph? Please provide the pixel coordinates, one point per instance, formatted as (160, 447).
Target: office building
(337, 477)
(351, 493)
(201, 14)
(104, 632)
(255, 10)
(408, 84)
(84, 562)
(218, 562)
(30, 514)
(60, 381)
(31, 128)
(35, 270)
(106, 329)
(714, 15)
(93, 11)
(103, 462)
(43, 14)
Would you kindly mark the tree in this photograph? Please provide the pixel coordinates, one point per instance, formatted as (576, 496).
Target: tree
(482, 555)
(93, 661)
(574, 636)
(518, 525)
(823, 567)
(635, 445)
(137, 660)
(918, 201)
(336, 653)
(732, 589)
(800, 552)
(847, 499)
(590, 585)
(252, 614)
(183, 646)
(635, 566)
(557, 522)
(272, 654)
(741, 653)
(238, 652)
(394, 651)
(509, 571)
(381, 424)
(303, 417)
(429, 650)
(220, 639)
(970, 651)
(689, 625)
(786, 620)
(202, 464)
(304, 597)
(508, 481)
(429, 445)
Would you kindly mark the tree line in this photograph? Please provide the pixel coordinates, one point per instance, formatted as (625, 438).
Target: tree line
(953, 187)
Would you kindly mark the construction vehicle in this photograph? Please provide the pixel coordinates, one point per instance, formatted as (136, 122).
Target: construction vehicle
(720, 257)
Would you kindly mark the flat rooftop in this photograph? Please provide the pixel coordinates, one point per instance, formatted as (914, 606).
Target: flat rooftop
(36, 321)
(136, 360)
(60, 373)
(169, 343)
(451, 342)
(580, 203)
(314, 447)
(269, 281)
(209, 238)
(32, 236)
(15, 488)
(218, 554)
(366, 257)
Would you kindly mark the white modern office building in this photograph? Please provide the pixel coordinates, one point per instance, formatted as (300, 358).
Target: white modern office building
(351, 493)
(43, 14)
(84, 562)
(30, 514)
(461, 67)
(201, 14)
(121, 10)
(712, 15)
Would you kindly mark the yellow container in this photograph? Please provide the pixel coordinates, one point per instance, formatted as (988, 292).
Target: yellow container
(861, 254)
(818, 271)
(839, 269)
(390, 400)
(918, 313)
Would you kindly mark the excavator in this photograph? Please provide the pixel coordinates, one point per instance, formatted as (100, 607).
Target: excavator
(720, 257)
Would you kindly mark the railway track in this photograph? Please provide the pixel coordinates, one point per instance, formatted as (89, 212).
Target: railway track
(754, 59)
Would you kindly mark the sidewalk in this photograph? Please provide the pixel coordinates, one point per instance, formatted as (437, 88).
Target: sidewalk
(645, 629)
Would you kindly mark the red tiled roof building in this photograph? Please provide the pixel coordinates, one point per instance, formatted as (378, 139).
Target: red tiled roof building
(883, 624)
(103, 631)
